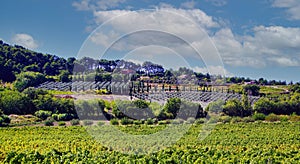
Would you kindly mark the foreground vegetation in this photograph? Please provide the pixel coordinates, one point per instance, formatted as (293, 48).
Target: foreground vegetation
(252, 142)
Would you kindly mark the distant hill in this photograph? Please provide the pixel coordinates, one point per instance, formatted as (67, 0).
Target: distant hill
(17, 59)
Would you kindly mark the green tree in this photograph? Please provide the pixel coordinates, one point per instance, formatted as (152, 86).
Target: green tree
(171, 108)
(13, 102)
(246, 106)
(264, 105)
(251, 89)
(233, 107)
(64, 76)
(216, 106)
(28, 79)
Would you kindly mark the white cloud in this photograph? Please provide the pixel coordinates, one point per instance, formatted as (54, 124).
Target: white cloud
(104, 39)
(158, 17)
(25, 40)
(292, 7)
(266, 46)
(218, 2)
(188, 4)
(213, 70)
(82, 5)
(162, 26)
(93, 5)
(108, 4)
(283, 61)
(165, 5)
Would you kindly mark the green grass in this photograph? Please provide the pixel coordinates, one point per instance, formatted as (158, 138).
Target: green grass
(235, 143)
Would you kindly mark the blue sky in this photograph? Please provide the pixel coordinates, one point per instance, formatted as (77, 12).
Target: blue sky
(258, 38)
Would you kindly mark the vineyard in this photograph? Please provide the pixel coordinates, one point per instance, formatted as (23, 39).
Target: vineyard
(258, 142)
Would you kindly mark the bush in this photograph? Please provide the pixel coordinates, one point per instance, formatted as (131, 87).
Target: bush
(284, 118)
(155, 120)
(65, 117)
(114, 121)
(43, 114)
(272, 117)
(55, 117)
(200, 121)
(87, 122)
(225, 119)
(49, 122)
(1, 121)
(248, 119)
(164, 122)
(14, 102)
(178, 121)
(62, 117)
(137, 122)
(213, 119)
(75, 122)
(236, 120)
(5, 119)
(61, 123)
(294, 118)
(126, 121)
(149, 121)
(190, 120)
(259, 116)
(101, 123)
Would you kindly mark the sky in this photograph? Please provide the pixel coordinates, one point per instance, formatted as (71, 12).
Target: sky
(257, 38)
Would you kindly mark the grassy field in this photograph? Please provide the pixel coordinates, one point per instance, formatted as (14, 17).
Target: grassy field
(257, 142)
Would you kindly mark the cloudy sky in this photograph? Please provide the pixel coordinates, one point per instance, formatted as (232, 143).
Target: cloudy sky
(257, 38)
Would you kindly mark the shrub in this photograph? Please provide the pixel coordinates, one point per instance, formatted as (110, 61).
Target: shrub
(49, 122)
(101, 123)
(225, 119)
(213, 119)
(190, 120)
(236, 120)
(155, 120)
(65, 117)
(164, 122)
(1, 122)
(55, 117)
(61, 123)
(178, 121)
(259, 116)
(14, 102)
(62, 117)
(149, 121)
(5, 119)
(294, 118)
(75, 122)
(126, 121)
(272, 117)
(137, 122)
(248, 119)
(114, 121)
(43, 114)
(87, 122)
(200, 121)
(284, 118)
